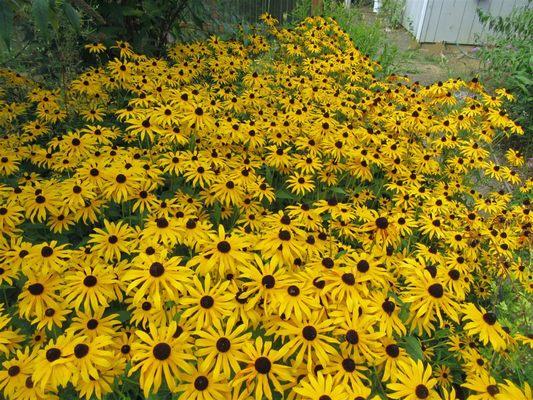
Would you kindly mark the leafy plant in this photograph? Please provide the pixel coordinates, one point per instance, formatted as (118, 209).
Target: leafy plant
(392, 12)
(507, 61)
(266, 196)
(33, 32)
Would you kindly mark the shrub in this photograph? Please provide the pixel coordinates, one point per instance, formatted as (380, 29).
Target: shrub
(506, 57)
(258, 216)
(392, 12)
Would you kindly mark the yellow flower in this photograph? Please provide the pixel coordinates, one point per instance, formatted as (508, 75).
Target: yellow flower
(112, 241)
(157, 355)
(414, 382)
(486, 325)
(95, 47)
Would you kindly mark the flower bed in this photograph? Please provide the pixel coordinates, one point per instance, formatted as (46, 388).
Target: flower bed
(260, 218)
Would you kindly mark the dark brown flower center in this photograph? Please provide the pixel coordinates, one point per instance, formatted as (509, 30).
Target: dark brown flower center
(328, 263)
(81, 350)
(348, 364)
(224, 246)
(268, 281)
(490, 318)
(90, 281)
(363, 266)
(388, 306)
(161, 351)
(293, 290)
(493, 390)
(392, 350)
(436, 290)
(284, 235)
(352, 336)
(223, 344)
(157, 269)
(92, 324)
(309, 332)
(36, 289)
(53, 354)
(348, 279)
(47, 251)
(207, 302)
(382, 223)
(201, 383)
(422, 392)
(263, 365)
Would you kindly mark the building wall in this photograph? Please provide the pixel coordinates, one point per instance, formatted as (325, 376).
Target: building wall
(452, 21)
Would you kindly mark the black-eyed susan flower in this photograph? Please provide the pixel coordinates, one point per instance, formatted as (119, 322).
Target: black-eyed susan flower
(157, 356)
(414, 382)
(262, 369)
(314, 225)
(15, 371)
(202, 384)
(486, 325)
(206, 301)
(221, 347)
(484, 387)
(111, 241)
(95, 47)
(89, 286)
(307, 337)
(321, 387)
(54, 364)
(157, 278)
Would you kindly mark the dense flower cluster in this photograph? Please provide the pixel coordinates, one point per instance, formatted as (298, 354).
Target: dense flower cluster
(259, 218)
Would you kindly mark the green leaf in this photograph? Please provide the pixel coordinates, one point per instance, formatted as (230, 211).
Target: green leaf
(216, 213)
(41, 16)
(72, 16)
(123, 315)
(284, 195)
(524, 79)
(413, 348)
(338, 190)
(6, 23)
(128, 11)
(404, 311)
(340, 254)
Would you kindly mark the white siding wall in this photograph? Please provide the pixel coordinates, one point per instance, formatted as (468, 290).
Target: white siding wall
(452, 21)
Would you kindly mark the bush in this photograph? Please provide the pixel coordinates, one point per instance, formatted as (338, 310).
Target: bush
(507, 56)
(33, 33)
(262, 218)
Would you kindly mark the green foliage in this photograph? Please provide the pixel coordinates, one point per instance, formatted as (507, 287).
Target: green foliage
(392, 12)
(514, 309)
(507, 61)
(149, 25)
(33, 32)
(6, 24)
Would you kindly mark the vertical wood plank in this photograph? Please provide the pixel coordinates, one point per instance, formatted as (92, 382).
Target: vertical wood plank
(425, 23)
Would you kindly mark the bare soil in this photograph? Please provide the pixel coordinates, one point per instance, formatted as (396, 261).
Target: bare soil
(428, 63)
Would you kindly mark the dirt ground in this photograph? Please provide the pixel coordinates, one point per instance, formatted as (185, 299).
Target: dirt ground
(429, 63)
